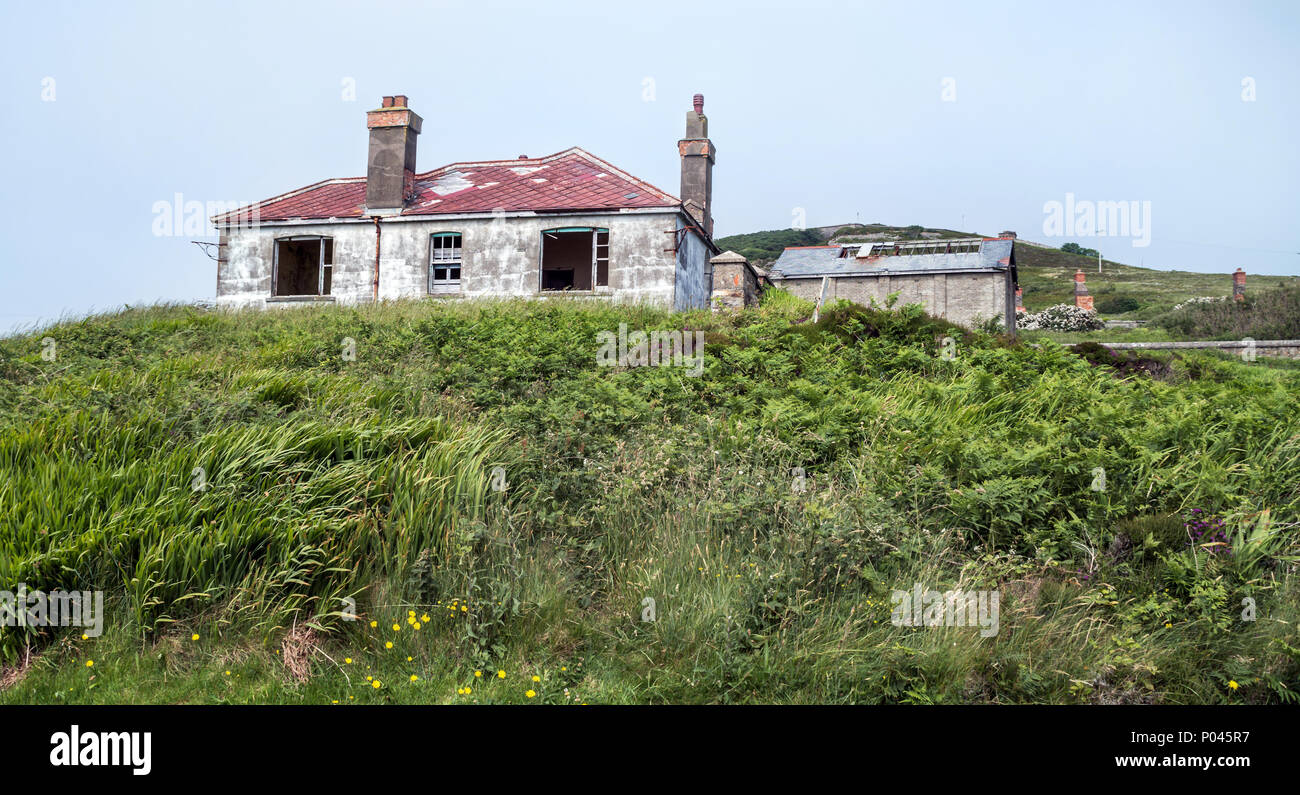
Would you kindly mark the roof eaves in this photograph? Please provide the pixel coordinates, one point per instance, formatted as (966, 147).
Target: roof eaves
(289, 195)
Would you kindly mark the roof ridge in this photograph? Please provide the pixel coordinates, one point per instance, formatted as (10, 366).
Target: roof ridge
(572, 150)
(505, 162)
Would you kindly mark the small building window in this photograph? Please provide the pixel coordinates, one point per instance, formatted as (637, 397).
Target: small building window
(444, 262)
(575, 258)
(303, 265)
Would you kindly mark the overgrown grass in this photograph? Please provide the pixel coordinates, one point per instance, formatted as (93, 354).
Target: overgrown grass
(769, 508)
(1268, 315)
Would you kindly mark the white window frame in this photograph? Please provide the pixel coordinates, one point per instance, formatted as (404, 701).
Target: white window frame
(599, 254)
(445, 258)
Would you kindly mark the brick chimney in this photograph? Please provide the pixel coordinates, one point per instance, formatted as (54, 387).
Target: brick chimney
(1081, 297)
(390, 168)
(698, 155)
(1239, 285)
(1007, 234)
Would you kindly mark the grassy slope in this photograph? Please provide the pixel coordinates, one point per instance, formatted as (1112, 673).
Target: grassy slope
(330, 477)
(1047, 277)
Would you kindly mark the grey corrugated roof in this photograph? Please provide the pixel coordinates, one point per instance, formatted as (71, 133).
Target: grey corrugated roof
(810, 261)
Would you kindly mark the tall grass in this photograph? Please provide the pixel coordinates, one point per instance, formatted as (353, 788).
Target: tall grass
(768, 508)
(272, 523)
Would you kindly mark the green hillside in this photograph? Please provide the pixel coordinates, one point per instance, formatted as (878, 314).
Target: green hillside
(454, 502)
(1047, 278)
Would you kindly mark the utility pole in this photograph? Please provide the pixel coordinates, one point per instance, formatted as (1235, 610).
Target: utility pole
(1098, 263)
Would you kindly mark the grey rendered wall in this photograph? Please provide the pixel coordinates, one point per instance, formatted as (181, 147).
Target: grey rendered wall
(244, 279)
(501, 257)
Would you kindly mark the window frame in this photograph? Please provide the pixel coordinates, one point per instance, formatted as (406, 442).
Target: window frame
(325, 259)
(599, 256)
(436, 286)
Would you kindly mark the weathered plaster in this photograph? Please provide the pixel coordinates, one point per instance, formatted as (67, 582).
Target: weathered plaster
(964, 298)
(501, 257)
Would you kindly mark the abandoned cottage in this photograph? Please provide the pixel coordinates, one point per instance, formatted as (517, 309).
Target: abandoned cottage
(568, 223)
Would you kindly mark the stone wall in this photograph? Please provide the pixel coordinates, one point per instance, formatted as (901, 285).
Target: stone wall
(1289, 349)
(735, 283)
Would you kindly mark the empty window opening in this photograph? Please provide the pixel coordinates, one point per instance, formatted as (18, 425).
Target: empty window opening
(575, 258)
(444, 262)
(303, 266)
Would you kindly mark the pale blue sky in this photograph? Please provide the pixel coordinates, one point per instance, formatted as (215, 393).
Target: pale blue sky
(838, 109)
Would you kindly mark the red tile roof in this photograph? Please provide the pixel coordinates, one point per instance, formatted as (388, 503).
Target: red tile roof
(570, 180)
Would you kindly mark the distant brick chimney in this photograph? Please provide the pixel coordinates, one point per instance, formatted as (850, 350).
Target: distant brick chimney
(698, 155)
(390, 168)
(1011, 235)
(1239, 285)
(1081, 297)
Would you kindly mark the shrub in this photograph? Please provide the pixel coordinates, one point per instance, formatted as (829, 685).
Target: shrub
(1061, 317)
(1272, 314)
(1118, 305)
(1075, 248)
